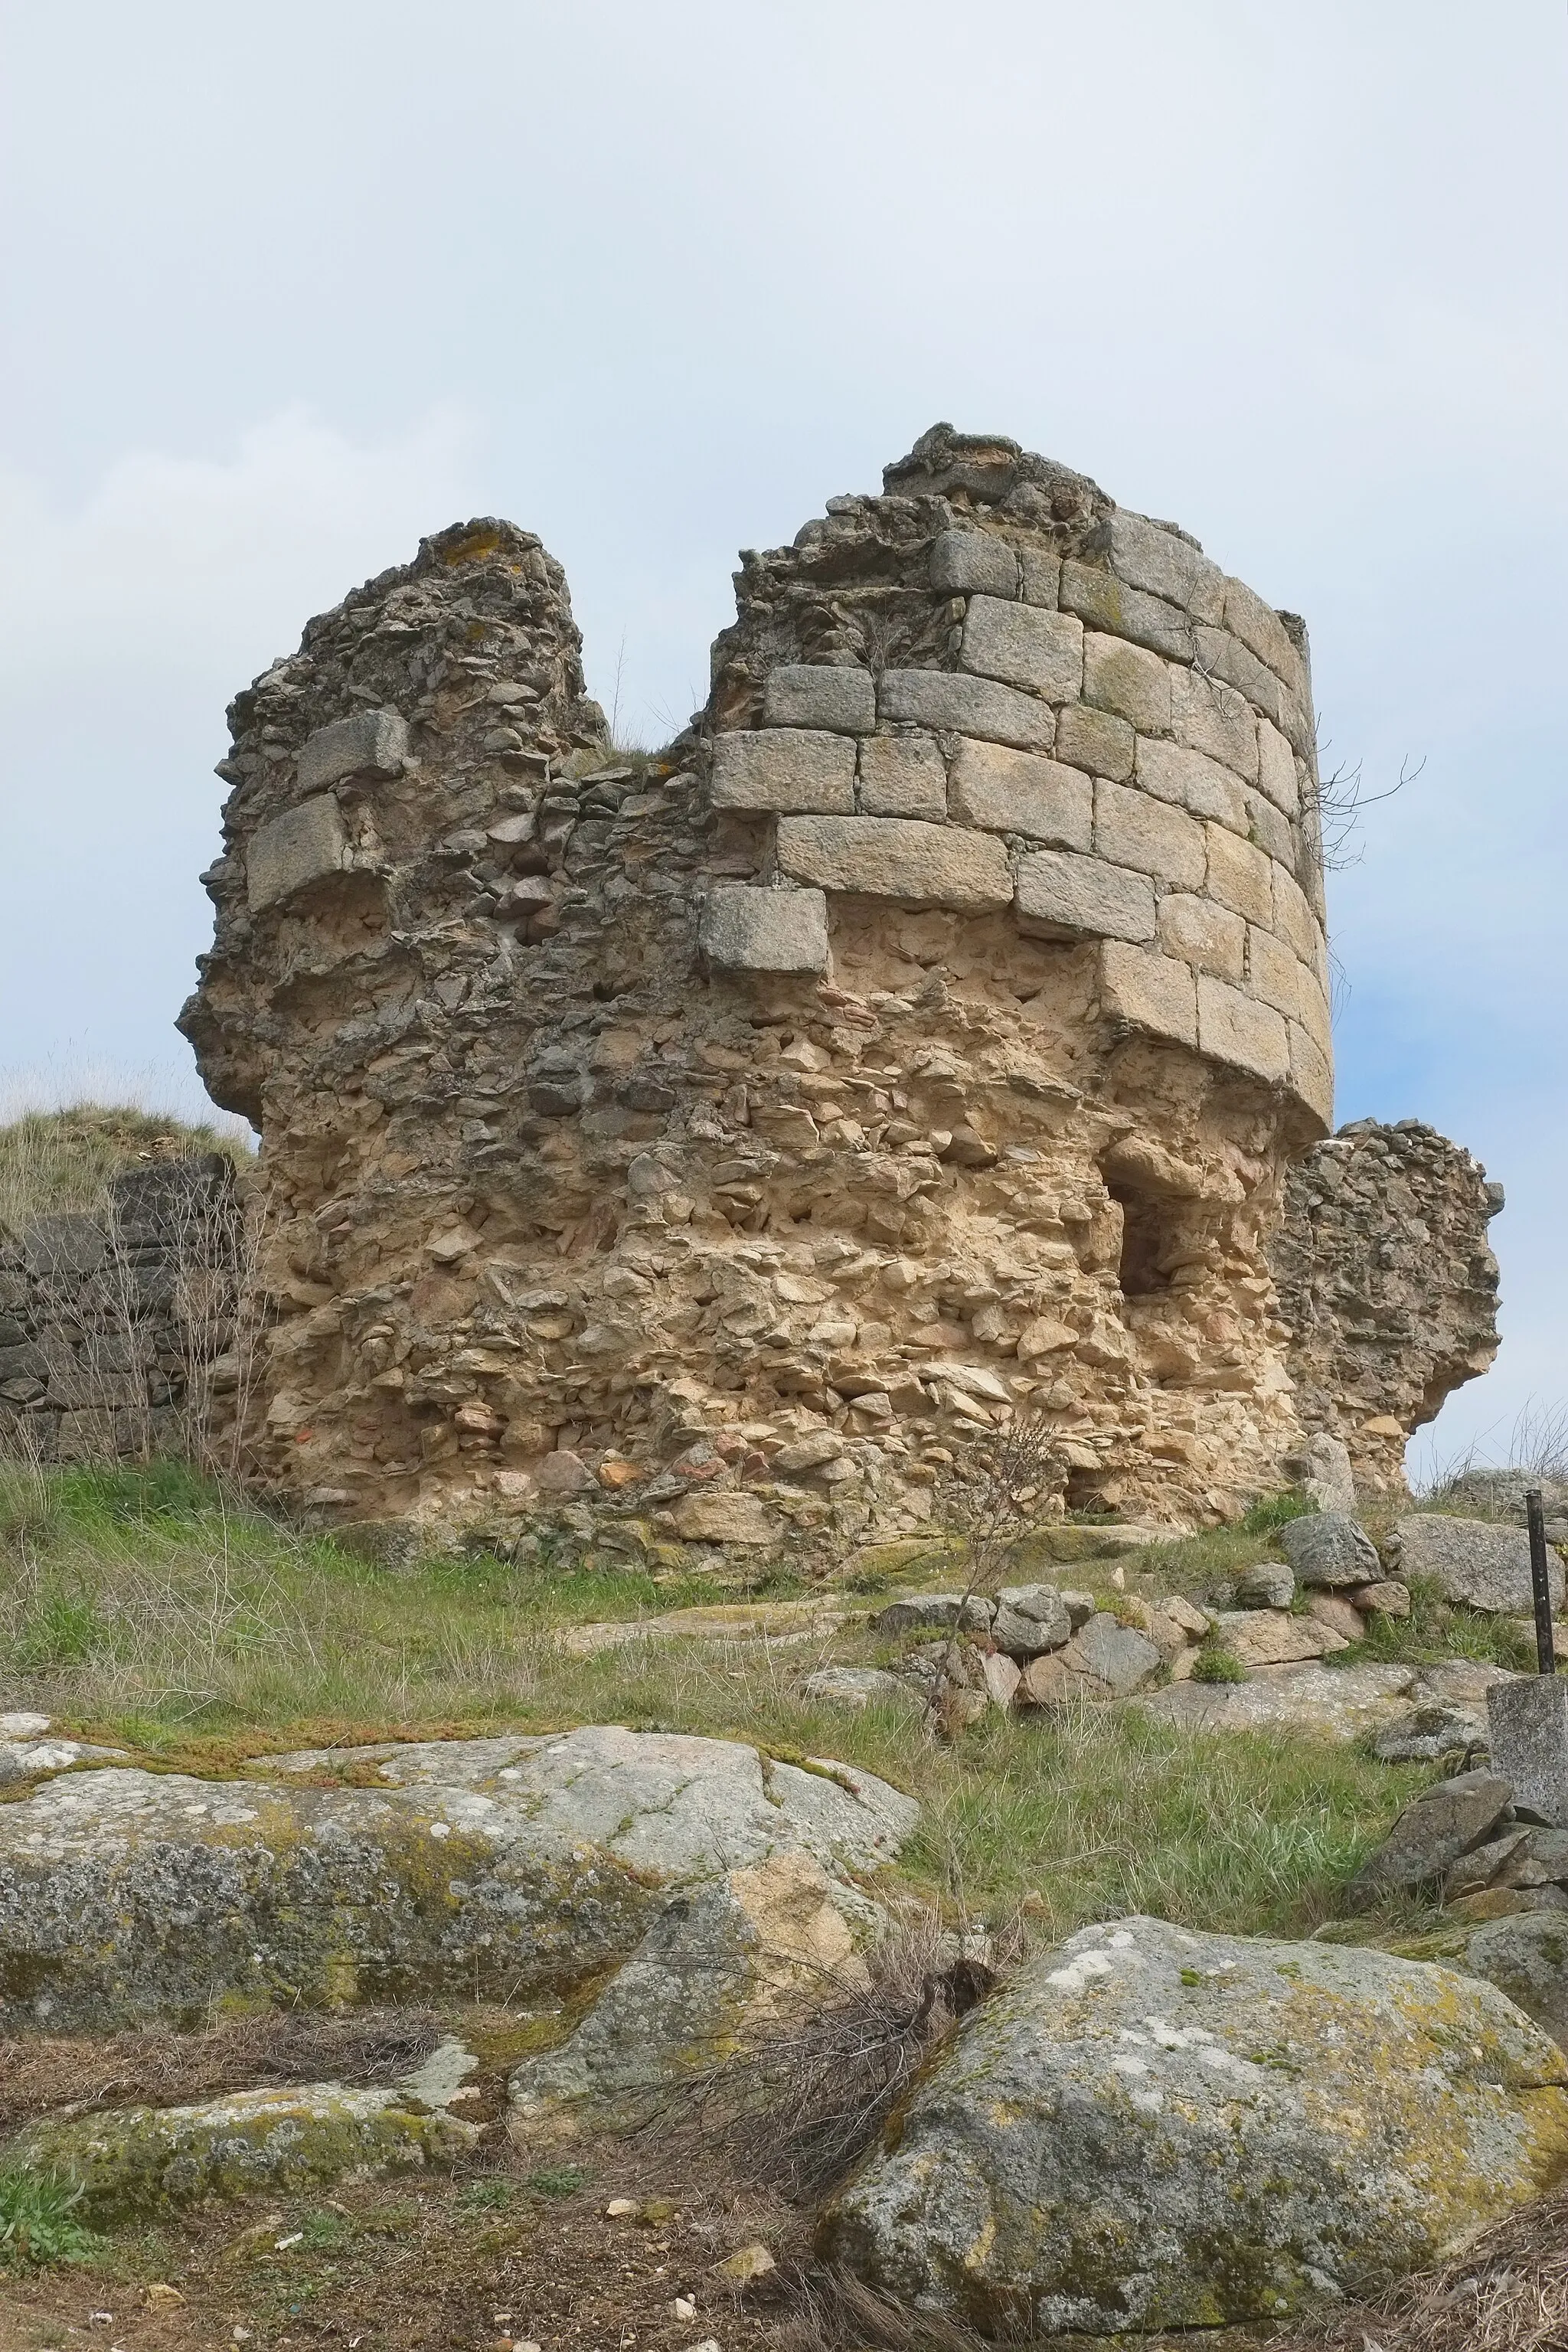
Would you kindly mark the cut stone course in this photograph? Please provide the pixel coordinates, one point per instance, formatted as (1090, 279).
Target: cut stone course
(1094, 740)
(895, 858)
(1149, 991)
(1234, 1028)
(1166, 566)
(803, 694)
(303, 845)
(1024, 646)
(1130, 684)
(1207, 936)
(367, 743)
(1131, 829)
(747, 929)
(902, 775)
(966, 706)
(780, 768)
(1019, 792)
(972, 563)
(1061, 896)
(1104, 602)
(1193, 781)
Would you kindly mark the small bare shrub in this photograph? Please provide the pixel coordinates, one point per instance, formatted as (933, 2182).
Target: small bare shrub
(813, 2089)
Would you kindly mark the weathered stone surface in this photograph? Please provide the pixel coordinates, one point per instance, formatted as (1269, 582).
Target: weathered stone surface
(1202, 934)
(1019, 791)
(1445, 1822)
(1030, 1619)
(1329, 1609)
(1024, 646)
(1129, 829)
(303, 845)
(522, 1863)
(966, 706)
(809, 694)
(859, 1687)
(1149, 991)
(143, 2164)
(1526, 1958)
(894, 857)
(1166, 566)
(1104, 2149)
(1269, 1585)
(1104, 1659)
(972, 563)
(746, 929)
(1063, 897)
(1324, 1702)
(1474, 1560)
(1233, 1028)
(784, 768)
(1329, 1551)
(1528, 1724)
(1192, 781)
(1104, 602)
(725, 1516)
(366, 743)
(1095, 740)
(1271, 1637)
(902, 775)
(1277, 770)
(514, 1005)
(944, 1612)
(1239, 876)
(1386, 1281)
(1386, 1598)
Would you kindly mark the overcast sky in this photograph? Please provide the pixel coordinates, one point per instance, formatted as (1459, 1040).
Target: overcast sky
(287, 287)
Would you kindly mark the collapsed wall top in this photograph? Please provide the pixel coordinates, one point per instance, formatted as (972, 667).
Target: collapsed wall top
(719, 1134)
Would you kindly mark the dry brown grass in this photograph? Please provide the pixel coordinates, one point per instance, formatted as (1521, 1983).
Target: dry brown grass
(1506, 2292)
(43, 2073)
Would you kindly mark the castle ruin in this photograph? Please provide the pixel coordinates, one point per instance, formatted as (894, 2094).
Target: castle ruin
(937, 1031)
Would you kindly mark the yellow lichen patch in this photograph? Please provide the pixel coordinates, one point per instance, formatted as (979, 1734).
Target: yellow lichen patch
(788, 1901)
(471, 548)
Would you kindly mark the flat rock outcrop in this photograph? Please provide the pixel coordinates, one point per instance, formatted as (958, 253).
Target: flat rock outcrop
(1152, 2128)
(597, 1878)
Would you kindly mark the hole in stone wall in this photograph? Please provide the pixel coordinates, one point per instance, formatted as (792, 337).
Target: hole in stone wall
(1145, 1234)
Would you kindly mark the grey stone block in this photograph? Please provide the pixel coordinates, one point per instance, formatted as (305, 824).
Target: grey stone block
(1260, 629)
(902, 775)
(1476, 1561)
(1123, 678)
(1268, 1585)
(1030, 1620)
(367, 743)
(1146, 557)
(1312, 1074)
(896, 857)
(1237, 1029)
(972, 564)
(1129, 829)
(1435, 1829)
(1019, 791)
(1024, 646)
(747, 929)
(1191, 780)
(802, 694)
(1240, 877)
(1095, 740)
(1040, 577)
(1269, 829)
(64, 1244)
(952, 702)
(1221, 656)
(1528, 1720)
(1329, 1551)
(1209, 715)
(1103, 601)
(1208, 936)
(302, 845)
(785, 769)
(1277, 770)
(1063, 897)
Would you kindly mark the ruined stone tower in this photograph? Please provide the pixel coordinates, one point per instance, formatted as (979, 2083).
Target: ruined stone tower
(924, 1036)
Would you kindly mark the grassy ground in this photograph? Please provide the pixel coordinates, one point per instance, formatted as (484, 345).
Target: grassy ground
(145, 1610)
(60, 1160)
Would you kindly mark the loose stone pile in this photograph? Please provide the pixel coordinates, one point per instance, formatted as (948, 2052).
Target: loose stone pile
(116, 1333)
(707, 1142)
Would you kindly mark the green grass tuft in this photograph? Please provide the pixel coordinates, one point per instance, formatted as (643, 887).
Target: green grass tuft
(37, 2223)
(1271, 1511)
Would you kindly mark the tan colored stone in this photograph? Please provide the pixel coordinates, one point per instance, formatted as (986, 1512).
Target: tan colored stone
(1192, 781)
(902, 775)
(1336, 1614)
(1272, 1637)
(1096, 741)
(812, 694)
(1277, 768)
(1211, 717)
(1203, 934)
(1063, 897)
(1019, 791)
(1129, 829)
(1024, 646)
(1275, 977)
(1126, 680)
(724, 1516)
(895, 858)
(1295, 923)
(1149, 991)
(745, 929)
(1239, 876)
(1311, 1073)
(954, 703)
(784, 768)
(1236, 1029)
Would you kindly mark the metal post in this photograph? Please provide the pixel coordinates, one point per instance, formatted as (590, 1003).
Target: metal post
(1540, 1583)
